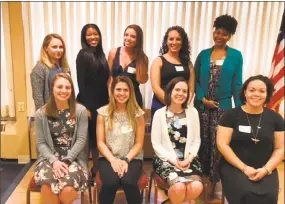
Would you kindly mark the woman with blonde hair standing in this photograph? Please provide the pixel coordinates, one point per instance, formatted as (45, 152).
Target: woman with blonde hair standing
(52, 61)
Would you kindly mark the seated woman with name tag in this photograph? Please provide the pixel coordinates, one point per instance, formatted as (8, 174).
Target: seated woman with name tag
(120, 136)
(175, 137)
(251, 140)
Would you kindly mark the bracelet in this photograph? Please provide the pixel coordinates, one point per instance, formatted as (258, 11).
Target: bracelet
(268, 170)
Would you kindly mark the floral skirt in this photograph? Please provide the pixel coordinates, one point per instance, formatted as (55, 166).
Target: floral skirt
(77, 177)
(172, 175)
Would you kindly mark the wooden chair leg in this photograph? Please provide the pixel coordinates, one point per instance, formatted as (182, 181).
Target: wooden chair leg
(223, 197)
(82, 197)
(205, 193)
(28, 196)
(155, 193)
(149, 186)
(90, 194)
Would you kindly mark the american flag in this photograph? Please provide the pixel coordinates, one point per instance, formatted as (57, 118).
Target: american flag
(277, 69)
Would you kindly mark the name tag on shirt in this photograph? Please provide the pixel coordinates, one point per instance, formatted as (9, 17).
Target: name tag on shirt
(179, 68)
(243, 128)
(131, 70)
(182, 121)
(219, 62)
(125, 130)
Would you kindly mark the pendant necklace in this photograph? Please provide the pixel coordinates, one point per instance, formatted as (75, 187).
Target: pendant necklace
(254, 139)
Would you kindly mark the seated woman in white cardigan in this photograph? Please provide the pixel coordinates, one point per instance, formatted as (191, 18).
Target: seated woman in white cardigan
(175, 137)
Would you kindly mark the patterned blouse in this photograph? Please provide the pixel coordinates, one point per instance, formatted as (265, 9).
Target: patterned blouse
(121, 139)
(62, 129)
(177, 131)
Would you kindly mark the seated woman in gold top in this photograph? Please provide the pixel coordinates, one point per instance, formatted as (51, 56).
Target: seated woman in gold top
(120, 136)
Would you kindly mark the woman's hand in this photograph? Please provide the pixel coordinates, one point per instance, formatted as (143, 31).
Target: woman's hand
(249, 171)
(184, 165)
(124, 166)
(60, 169)
(210, 103)
(117, 166)
(260, 173)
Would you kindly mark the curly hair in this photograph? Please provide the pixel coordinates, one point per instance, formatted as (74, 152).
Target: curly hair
(264, 79)
(185, 52)
(226, 22)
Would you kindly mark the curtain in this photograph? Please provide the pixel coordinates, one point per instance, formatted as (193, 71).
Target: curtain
(258, 25)
(7, 90)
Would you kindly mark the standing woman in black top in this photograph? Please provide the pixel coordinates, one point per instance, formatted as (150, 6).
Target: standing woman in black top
(92, 75)
(174, 61)
(130, 60)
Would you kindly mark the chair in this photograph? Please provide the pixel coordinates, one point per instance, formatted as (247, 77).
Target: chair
(161, 184)
(142, 184)
(32, 184)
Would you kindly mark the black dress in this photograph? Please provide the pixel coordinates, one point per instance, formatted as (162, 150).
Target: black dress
(130, 71)
(168, 72)
(237, 187)
(92, 83)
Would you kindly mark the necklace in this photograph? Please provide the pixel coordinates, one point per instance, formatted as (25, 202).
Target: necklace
(254, 139)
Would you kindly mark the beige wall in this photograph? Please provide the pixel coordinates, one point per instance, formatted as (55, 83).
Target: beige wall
(17, 146)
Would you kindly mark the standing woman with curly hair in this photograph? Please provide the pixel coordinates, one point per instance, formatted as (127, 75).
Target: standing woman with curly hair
(173, 62)
(218, 78)
(130, 60)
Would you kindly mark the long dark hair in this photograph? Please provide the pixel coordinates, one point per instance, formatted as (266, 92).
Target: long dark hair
(185, 51)
(141, 57)
(96, 54)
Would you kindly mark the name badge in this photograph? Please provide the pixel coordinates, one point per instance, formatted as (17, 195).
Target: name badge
(182, 121)
(125, 129)
(243, 128)
(219, 62)
(179, 68)
(131, 70)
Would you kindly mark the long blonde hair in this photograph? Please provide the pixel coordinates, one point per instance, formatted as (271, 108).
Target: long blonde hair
(45, 58)
(131, 105)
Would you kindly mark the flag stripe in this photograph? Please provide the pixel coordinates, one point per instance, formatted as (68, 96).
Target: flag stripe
(278, 76)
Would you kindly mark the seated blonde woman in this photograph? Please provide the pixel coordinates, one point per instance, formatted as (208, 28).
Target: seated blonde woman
(175, 137)
(120, 136)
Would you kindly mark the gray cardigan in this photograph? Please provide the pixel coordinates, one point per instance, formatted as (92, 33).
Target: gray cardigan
(39, 81)
(45, 147)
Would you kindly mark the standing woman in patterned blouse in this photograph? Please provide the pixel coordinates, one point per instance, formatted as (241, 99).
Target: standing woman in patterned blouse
(130, 60)
(52, 61)
(120, 136)
(175, 137)
(218, 78)
(92, 75)
(61, 132)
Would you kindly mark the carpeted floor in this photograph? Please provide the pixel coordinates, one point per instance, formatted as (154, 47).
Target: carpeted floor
(11, 173)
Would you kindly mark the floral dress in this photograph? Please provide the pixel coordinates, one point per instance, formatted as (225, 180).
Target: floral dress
(209, 119)
(177, 133)
(61, 130)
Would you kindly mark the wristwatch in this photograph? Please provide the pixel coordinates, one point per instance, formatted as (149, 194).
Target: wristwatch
(125, 159)
(268, 170)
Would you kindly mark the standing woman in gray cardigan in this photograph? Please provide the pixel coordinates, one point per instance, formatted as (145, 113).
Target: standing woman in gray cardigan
(61, 132)
(52, 61)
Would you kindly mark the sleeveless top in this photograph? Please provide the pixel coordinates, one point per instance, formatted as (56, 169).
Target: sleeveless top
(129, 71)
(167, 73)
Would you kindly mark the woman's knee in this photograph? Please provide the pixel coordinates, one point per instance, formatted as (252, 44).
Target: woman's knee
(196, 186)
(178, 188)
(68, 194)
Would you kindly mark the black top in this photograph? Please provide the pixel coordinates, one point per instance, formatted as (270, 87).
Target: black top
(92, 80)
(255, 155)
(130, 71)
(170, 71)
